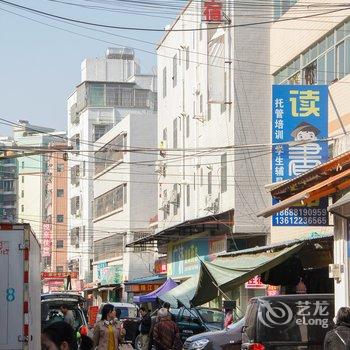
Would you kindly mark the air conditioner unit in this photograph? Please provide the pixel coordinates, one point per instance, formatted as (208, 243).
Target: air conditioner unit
(165, 205)
(209, 201)
(161, 168)
(77, 213)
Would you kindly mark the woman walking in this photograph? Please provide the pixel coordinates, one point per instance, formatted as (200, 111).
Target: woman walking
(339, 337)
(107, 332)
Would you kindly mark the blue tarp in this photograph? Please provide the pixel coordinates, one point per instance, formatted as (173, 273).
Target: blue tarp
(152, 297)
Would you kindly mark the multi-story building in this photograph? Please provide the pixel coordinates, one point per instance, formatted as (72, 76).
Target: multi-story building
(8, 185)
(33, 179)
(213, 100)
(111, 88)
(57, 190)
(125, 199)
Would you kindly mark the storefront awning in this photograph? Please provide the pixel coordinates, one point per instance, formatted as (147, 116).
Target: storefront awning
(338, 207)
(168, 285)
(147, 280)
(225, 274)
(182, 294)
(186, 228)
(325, 188)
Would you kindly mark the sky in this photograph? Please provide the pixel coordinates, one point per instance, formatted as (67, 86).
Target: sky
(40, 65)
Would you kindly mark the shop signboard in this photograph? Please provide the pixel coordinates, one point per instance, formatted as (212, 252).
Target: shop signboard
(111, 275)
(183, 255)
(100, 266)
(58, 275)
(255, 283)
(160, 265)
(212, 11)
(273, 290)
(46, 241)
(299, 130)
(92, 313)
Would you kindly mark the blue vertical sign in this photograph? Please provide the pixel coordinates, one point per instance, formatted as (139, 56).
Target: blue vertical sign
(300, 114)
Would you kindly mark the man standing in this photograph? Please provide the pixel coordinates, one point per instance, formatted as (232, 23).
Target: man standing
(166, 334)
(68, 315)
(145, 328)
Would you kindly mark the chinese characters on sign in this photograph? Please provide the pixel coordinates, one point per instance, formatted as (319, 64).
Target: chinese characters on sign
(212, 11)
(299, 123)
(46, 241)
(255, 283)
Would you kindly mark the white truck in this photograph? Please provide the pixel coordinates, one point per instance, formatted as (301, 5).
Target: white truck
(20, 288)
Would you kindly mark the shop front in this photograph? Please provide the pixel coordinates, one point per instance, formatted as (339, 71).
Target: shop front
(109, 283)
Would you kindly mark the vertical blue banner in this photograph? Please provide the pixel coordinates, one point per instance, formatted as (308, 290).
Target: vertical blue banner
(300, 114)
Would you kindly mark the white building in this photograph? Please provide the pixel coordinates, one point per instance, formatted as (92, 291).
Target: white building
(34, 179)
(125, 199)
(213, 93)
(107, 93)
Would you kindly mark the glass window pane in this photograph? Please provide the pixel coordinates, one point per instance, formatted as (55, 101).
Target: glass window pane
(313, 53)
(330, 41)
(321, 70)
(340, 33)
(330, 66)
(347, 56)
(340, 60)
(322, 46)
(347, 28)
(96, 95)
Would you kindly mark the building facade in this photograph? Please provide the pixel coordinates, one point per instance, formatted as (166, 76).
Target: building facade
(110, 90)
(8, 185)
(125, 199)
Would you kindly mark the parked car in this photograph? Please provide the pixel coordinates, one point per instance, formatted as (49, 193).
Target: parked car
(288, 322)
(197, 320)
(227, 339)
(128, 310)
(50, 309)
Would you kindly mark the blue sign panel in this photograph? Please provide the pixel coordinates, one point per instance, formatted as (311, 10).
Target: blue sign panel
(300, 114)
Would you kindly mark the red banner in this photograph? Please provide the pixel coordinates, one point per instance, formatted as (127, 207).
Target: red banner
(92, 313)
(46, 241)
(56, 275)
(255, 283)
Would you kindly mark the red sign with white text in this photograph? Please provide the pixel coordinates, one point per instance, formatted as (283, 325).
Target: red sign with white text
(57, 275)
(255, 283)
(212, 11)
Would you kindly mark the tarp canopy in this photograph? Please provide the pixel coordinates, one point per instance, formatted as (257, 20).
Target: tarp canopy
(182, 294)
(152, 297)
(227, 273)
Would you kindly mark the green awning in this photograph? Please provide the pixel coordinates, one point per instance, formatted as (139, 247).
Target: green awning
(228, 273)
(182, 294)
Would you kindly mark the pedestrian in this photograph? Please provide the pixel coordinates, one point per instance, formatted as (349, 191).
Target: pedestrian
(339, 337)
(228, 317)
(166, 335)
(83, 308)
(67, 314)
(61, 336)
(107, 332)
(167, 306)
(145, 328)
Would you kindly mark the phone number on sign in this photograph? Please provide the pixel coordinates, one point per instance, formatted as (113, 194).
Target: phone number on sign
(303, 212)
(290, 220)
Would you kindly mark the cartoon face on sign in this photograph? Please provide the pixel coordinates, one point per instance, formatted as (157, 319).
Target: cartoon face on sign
(305, 132)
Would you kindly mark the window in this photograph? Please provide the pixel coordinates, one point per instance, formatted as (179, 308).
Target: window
(175, 133)
(187, 126)
(323, 62)
(83, 231)
(201, 177)
(22, 179)
(125, 194)
(75, 205)
(22, 194)
(59, 218)
(96, 95)
(84, 166)
(223, 173)
(210, 179)
(201, 104)
(60, 168)
(164, 82)
(108, 154)
(165, 134)
(188, 195)
(75, 175)
(59, 268)
(174, 70)
(60, 192)
(187, 58)
(109, 201)
(22, 165)
(176, 198)
(100, 130)
(22, 208)
(59, 244)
